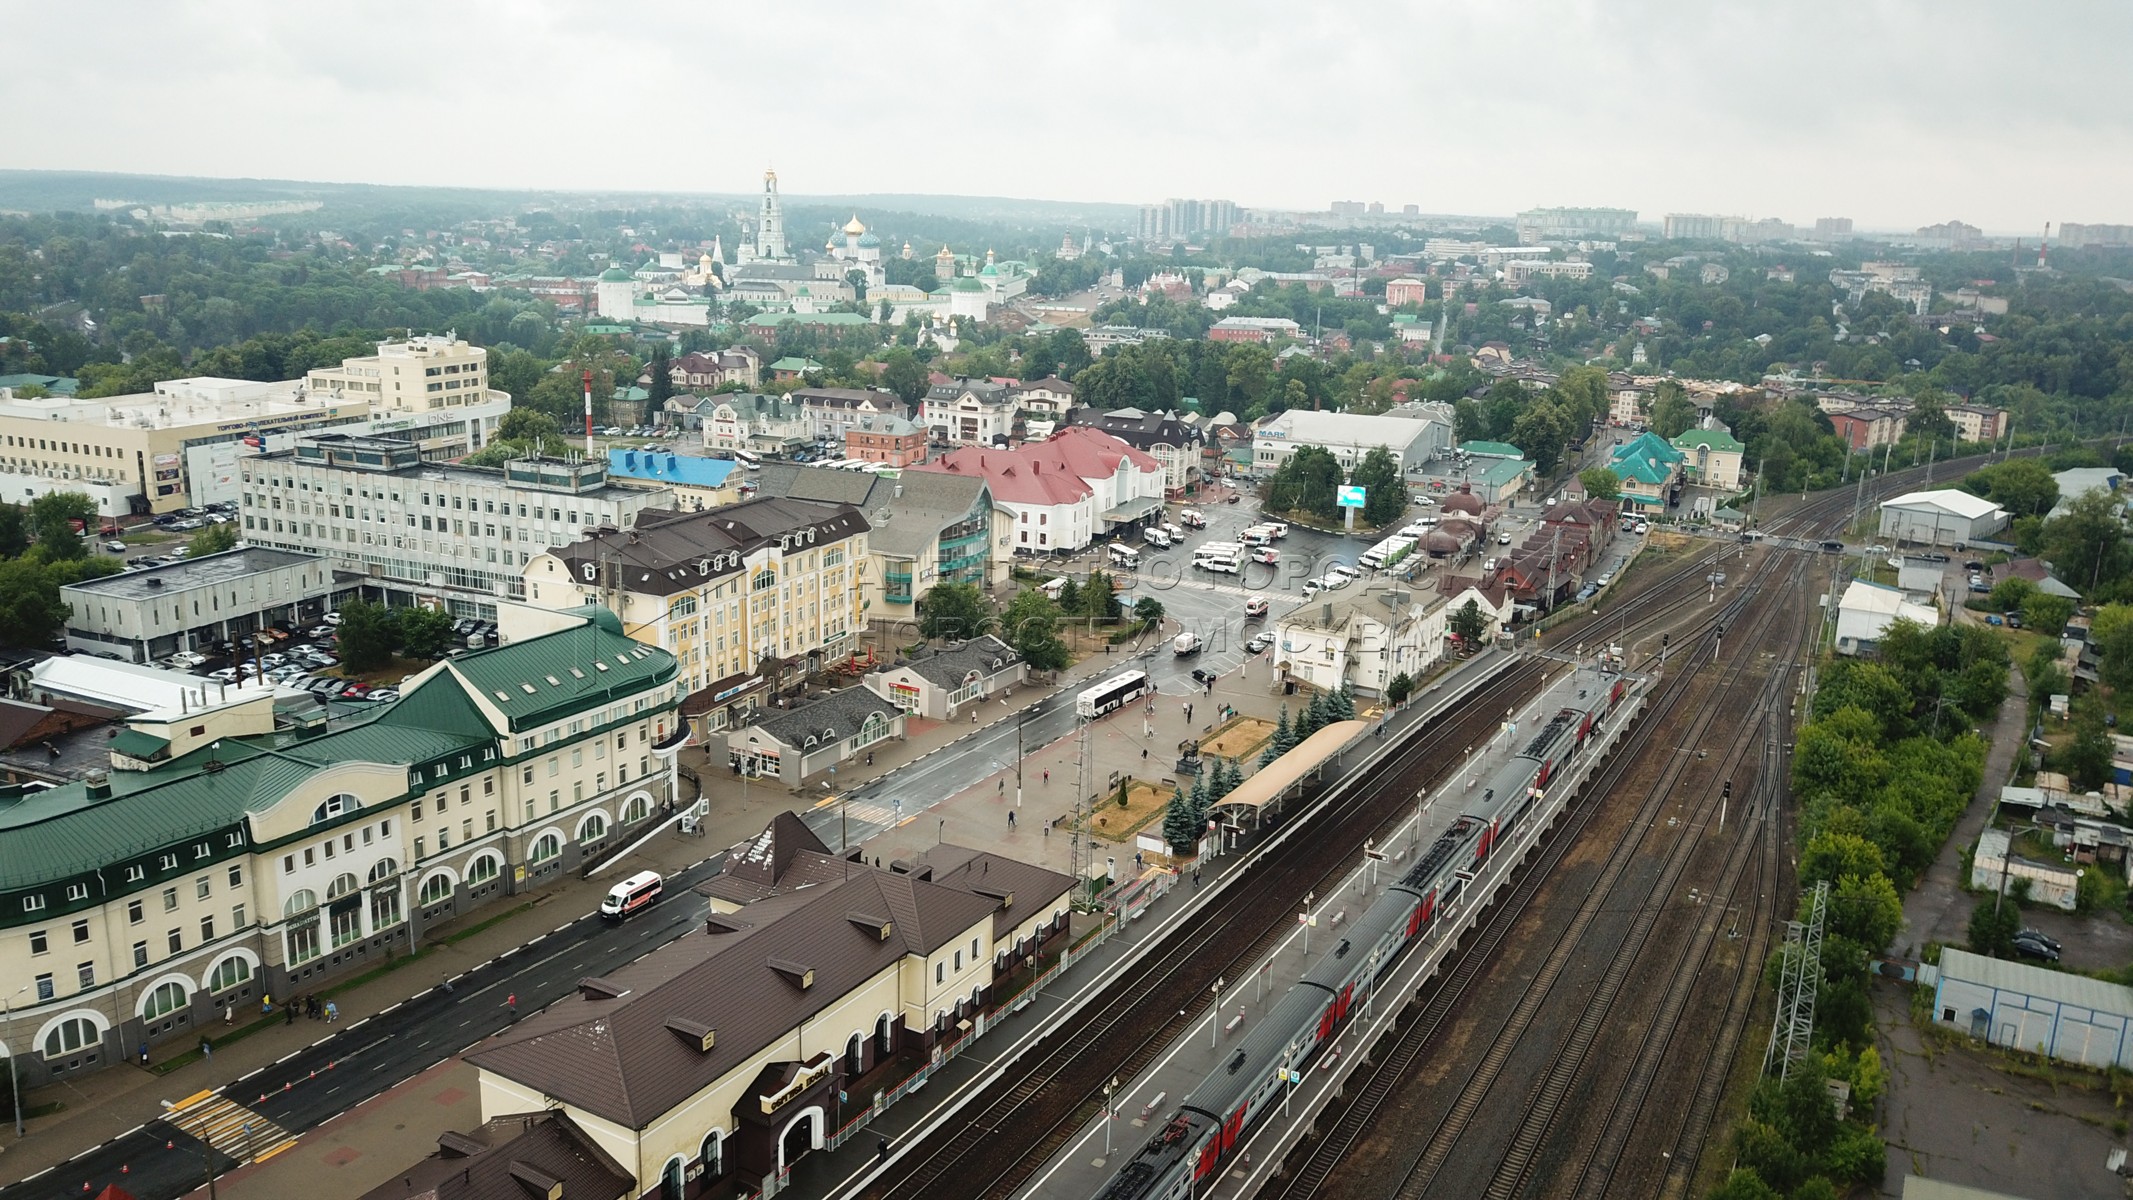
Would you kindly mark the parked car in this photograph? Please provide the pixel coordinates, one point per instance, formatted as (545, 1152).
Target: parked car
(381, 695)
(1604, 580)
(115, 546)
(1504, 538)
(1205, 677)
(355, 690)
(2032, 948)
(1259, 643)
(323, 686)
(333, 618)
(1588, 591)
(223, 675)
(2039, 935)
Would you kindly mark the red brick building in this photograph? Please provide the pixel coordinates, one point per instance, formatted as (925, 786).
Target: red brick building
(894, 441)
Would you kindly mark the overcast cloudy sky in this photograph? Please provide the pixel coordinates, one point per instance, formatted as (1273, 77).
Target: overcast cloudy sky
(1894, 112)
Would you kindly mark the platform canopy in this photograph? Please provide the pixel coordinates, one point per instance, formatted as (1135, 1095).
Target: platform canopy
(1276, 778)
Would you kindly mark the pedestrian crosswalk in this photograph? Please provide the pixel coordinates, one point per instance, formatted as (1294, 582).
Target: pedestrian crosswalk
(234, 1131)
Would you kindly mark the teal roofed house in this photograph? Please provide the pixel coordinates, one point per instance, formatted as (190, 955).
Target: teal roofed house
(1492, 449)
(1711, 456)
(1649, 469)
(276, 850)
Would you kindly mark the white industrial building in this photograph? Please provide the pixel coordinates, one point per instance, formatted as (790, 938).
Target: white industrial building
(1349, 436)
(157, 611)
(2049, 883)
(2069, 1017)
(1866, 611)
(1941, 518)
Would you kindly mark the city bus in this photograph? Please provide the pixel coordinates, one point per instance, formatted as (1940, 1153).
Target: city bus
(638, 891)
(1111, 693)
(1123, 555)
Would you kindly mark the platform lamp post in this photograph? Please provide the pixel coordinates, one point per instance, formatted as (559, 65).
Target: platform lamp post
(1108, 1089)
(14, 1083)
(1214, 1014)
(1309, 897)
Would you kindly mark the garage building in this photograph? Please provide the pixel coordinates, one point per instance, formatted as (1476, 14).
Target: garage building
(1941, 518)
(2072, 1018)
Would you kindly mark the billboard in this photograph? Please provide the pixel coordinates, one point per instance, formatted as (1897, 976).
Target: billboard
(1348, 495)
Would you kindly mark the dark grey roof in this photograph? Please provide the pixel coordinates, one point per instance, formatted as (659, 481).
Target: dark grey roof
(983, 389)
(852, 398)
(904, 515)
(631, 1049)
(1140, 430)
(833, 717)
(667, 551)
(786, 855)
(194, 572)
(513, 1158)
(948, 668)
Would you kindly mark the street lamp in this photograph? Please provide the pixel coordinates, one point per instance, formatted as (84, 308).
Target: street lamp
(1214, 1016)
(2006, 858)
(1108, 1089)
(14, 1084)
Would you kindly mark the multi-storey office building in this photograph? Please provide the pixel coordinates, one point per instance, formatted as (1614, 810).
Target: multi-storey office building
(417, 530)
(229, 856)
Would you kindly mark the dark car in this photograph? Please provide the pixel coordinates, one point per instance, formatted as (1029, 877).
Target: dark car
(2032, 948)
(1204, 677)
(2038, 935)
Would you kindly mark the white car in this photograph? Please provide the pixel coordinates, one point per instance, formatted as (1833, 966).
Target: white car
(1503, 539)
(1604, 580)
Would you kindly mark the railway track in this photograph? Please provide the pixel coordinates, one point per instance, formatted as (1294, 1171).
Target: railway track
(1392, 1067)
(1544, 1103)
(1058, 1085)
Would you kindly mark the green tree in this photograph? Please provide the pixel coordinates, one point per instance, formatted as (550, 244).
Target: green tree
(2087, 545)
(661, 384)
(953, 612)
(2047, 614)
(1283, 741)
(368, 634)
(1601, 483)
(31, 611)
(14, 530)
(60, 519)
(1992, 932)
(1031, 626)
(2011, 593)
(1232, 778)
(1744, 1184)
(1672, 411)
(2087, 758)
(1831, 855)
(1179, 828)
(1866, 909)
(1306, 483)
(1099, 598)
(2022, 486)
(1471, 624)
(1148, 611)
(213, 540)
(425, 632)
(1385, 493)
(1399, 688)
(902, 373)
(527, 425)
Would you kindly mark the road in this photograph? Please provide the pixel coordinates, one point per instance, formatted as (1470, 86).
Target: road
(356, 1063)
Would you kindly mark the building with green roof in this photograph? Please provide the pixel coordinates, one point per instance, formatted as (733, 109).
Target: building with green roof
(250, 849)
(1650, 470)
(1711, 457)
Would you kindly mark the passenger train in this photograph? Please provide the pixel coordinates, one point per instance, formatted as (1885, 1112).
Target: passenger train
(1194, 1141)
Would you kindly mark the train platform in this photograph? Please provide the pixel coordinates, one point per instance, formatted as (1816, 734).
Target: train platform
(1141, 1104)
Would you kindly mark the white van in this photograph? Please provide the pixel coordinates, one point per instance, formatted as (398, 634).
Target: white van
(1122, 555)
(1185, 643)
(1053, 588)
(638, 891)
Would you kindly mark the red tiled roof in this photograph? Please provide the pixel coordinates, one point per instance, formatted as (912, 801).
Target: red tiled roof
(1053, 471)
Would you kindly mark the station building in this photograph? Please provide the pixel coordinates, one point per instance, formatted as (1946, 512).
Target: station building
(234, 851)
(818, 989)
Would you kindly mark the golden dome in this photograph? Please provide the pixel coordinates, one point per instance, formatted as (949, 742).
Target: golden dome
(853, 227)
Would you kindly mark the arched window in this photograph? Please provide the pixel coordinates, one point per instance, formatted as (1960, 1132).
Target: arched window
(484, 868)
(592, 828)
(384, 869)
(165, 1000)
(884, 1038)
(547, 846)
(854, 1054)
(713, 1153)
(335, 806)
(229, 973)
(74, 1033)
(436, 888)
(341, 886)
(636, 809)
(302, 900)
(384, 908)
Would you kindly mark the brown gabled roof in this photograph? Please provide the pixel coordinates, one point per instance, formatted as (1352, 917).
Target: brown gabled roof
(516, 1157)
(630, 1049)
(1017, 887)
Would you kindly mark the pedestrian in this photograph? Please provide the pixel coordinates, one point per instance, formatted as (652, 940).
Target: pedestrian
(1188, 712)
(1137, 860)
(973, 716)
(511, 1002)
(229, 1014)
(1196, 875)
(144, 1055)
(288, 1012)
(881, 1150)
(207, 1050)
(1010, 818)
(333, 1013)
(1047, 779)
(1144, 755)
(870, 758)
(266, 1005)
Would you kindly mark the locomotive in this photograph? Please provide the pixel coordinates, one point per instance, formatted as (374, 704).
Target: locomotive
(1196, 1139)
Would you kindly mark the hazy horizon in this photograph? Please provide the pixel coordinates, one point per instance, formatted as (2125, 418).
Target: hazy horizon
(1897, 114)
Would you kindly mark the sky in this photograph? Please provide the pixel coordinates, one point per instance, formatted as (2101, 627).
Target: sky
(1896, 113)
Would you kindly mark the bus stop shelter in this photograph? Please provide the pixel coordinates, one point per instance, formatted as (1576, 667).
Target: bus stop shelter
(1280, 779)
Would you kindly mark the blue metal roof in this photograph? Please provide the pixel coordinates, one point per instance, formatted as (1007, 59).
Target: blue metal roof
(660, 466)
